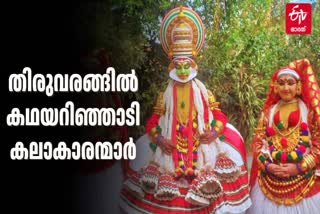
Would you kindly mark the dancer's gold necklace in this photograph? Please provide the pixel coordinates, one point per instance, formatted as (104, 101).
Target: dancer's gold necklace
(183, 102)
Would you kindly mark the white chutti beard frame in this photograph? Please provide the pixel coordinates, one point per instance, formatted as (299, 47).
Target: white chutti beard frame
(175, 77)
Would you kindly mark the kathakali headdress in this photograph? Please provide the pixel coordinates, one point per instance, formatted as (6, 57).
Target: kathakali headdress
(182, 35)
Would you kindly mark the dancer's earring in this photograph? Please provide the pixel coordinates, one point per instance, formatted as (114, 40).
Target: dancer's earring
(299, 88)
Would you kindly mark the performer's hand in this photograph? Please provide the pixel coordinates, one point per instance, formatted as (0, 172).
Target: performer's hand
(290, 169)
(207, 137)
(166, 146)
(277, 170)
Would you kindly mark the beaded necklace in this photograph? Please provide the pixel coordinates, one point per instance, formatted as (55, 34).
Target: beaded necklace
(289, 145)
(288, 155)
(182, 168)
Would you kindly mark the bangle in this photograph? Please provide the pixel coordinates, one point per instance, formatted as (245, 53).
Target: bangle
(310, 161)
(214, 132)
(266, 166)
(159, 138)
(298, 167)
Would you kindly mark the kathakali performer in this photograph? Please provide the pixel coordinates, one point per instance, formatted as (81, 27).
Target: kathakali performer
(191, 160)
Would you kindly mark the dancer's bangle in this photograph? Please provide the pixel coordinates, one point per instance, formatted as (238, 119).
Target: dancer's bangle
(310, 161)
(298, 167)
(158, 139)
(266, 166)
(214, 132)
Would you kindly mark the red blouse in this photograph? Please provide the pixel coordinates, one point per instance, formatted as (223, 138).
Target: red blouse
(293, 119)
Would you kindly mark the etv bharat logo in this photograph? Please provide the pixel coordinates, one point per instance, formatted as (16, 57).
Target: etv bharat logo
(298, 18)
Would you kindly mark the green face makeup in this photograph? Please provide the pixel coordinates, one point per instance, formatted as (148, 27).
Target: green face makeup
(183, 69)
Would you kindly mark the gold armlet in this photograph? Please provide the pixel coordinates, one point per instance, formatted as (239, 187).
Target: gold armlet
(159, 107)
(315, 151)
(308, 162)
(213, 104)
(158, 110)
(259, 130)
(261, 125)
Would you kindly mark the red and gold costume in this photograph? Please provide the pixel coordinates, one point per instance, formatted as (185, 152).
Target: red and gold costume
(195, 177)
(288, 132)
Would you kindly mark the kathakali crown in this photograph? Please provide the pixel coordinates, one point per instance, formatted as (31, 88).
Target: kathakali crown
(182, 33)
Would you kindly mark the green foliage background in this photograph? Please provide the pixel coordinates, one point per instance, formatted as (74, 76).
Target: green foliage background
(245, 43)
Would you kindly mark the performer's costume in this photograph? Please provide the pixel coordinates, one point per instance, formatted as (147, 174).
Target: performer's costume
(288, 132)
(195, 177)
